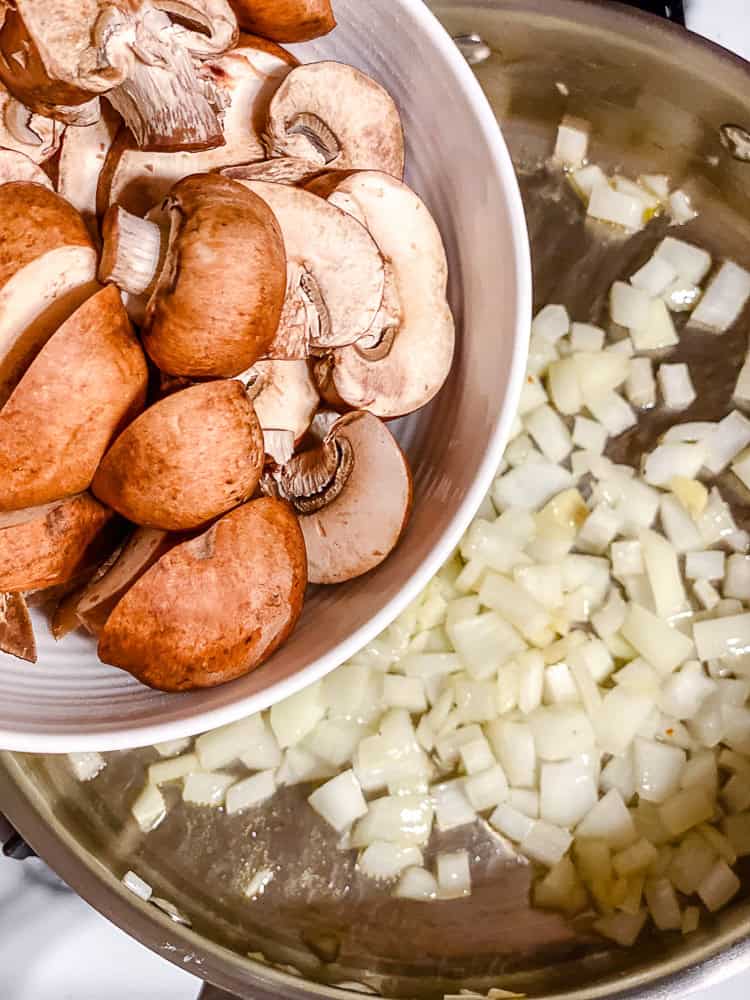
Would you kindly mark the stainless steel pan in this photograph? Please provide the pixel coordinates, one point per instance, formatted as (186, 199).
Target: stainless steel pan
(658, 99)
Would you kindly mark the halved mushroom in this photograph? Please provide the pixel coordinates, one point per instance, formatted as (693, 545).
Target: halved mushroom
(286, 20)
(15, 166)
(216, 303)
(53, 543)
(284, 395)
(20, 129)
(16, 631)
(92, 604)
(187, 459)
(133, 53)
(89, 377)
(215, 607)
(408, 353)
(353, 494)
(204, 27)
(335, 115)
(245, 79)
(284, 170)
(82, 157)
(335, 273)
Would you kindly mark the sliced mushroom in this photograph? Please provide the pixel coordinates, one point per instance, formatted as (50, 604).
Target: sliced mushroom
(215, 607)
(407, 355)
(91, 605)
(284, 170)
(15, 166)
(286, 20)
(88, 379)
(16, 631)
(187, 459)
(245, 79)
(82, 157)
(334, 115)
(217, 300)
(284, 395)
(54, 544)
(204, 27)
(354, 495)
(20, 129)
(335, 272)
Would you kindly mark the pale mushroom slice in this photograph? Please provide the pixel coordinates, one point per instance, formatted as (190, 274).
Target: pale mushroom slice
(335, 115)
(216, 290)
(335, 274)
(407, 355)
(284, 396)
(204, 27)
(36, 136)
(245, 80)
(15, 166)
(284, 170)
(83, 153)
(16, 630)
(353, 495)
(286, 20)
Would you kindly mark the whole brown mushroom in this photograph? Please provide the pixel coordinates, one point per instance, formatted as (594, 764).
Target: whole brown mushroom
(216, 287)
(285, 20)
(215, 607)
(187, 459)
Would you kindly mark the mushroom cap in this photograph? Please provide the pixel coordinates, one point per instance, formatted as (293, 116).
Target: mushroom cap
(246, 78)
(335, 115)
(16, 632)
(20, 129)
(286, 20)
(416, 317)
(357, 530)
(218, 299)
(15, 166)
(34, 220)
(332, 250)
(88, 379)
(53, 543)
(187, 459)
(286, 398)
(213, 607)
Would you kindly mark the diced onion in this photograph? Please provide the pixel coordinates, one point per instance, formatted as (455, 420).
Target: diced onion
(250, 792)
(719, 886)
(724, 299)
(86, 765)
(453, 874)
(609, 205)
(383, 861)
(173, 769)
(681, 208)
(417, 883)
(572, 141)
(676, 386)
(296, 716)
(137, 885)
(655, 277)
(206, 789)
(551, 323)
(149, 809)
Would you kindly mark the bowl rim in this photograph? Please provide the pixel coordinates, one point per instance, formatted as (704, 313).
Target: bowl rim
(131, 735)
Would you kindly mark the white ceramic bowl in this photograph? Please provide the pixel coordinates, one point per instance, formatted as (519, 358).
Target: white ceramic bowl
(458, 162)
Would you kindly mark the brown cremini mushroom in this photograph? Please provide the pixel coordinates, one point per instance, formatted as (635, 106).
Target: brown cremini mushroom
(406, 356)
(284, 396)
(286, 20)
(335, 273)
(216, 290)
(186, 460)
(87, 380)
(49, 545)
(16, 631)
(353, 494)
(245, 79)
(335, 115)
(214, 607)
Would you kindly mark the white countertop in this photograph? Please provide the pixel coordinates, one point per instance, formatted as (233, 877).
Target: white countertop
(53, 946)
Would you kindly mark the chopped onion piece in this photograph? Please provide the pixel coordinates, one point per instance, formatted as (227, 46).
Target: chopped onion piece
(259, 882)
(658, 769)
(399, 819)
(299, 765)
(663, 905)
(561, 889)
(682, 296)
(170, 748)
(453, 874)
(564, 388)
(728, 438)
(173, 769)
(724, 299)
(589, 435)
(599, 373)
(587, 178)
(640, 387)
(615, 413)
(559, 685)
(340, 801)
(532, 395)
(649, 201)
(608, 205)
(383, 861)
(567, 791)
(294, 717)
(511, 822)
(526, 801)
(137, 885)
(86, 765)
(655, 277)
(662, 646)
(149, 809)
(742, 387)
(657, 184)
(686, 809)
(250, 792)
(452, 806)
(560, 731)
(679, 526)
(691, 918)
(545, 842)
(572, 141)
(719, 886)
(667, 461)
(741, 468)
(404, 692)
(513, 744)
(691, 263)
(663, 571)
(417, 883)
(485, 641)
(737, 580)
(585, 337)
(550, 433)
(628, 306)
(222, 746)
(476, 756)
(622, 928)
(618, 773)
(636, 858)
(486, 789)
(610, 821)
(551, 323)
(657, 331)
(719, 637)
(627, 558)
(691, 432)
(206, 789)
(676, 386)
(530, 487)
(603, 524)
(681, 208)
(622, 715)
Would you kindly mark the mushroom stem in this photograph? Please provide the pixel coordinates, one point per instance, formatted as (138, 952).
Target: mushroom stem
(132, 251)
